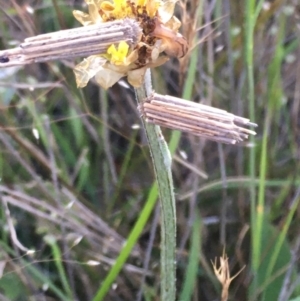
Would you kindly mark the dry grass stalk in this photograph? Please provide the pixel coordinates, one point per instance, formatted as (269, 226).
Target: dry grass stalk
(197, 119)
(76, 218)
(77, 42)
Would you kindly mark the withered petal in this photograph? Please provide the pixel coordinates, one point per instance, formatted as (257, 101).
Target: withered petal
(173, 24)
(94, 11)
(82, 17)
(136, 77)
(166, 10)
(87, 69)
(159, 61)
(107, 77)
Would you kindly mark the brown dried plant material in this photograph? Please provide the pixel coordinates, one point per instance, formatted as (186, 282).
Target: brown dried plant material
(197, 119)
(146, 37)
(159, 40)
(72, 43)
(223, 275)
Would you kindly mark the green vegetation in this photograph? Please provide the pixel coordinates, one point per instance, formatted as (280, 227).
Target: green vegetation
(76, 178)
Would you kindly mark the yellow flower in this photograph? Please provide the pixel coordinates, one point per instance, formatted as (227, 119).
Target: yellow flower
(118, 57)
(159, 41)
(117, 10)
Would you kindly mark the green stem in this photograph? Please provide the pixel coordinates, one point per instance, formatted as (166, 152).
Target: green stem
(252, 9)
(50, 240)
(161, 159)
(249, 63)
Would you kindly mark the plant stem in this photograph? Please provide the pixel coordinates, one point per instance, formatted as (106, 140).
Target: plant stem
(252, 10)
(249, 45)
(161, 159)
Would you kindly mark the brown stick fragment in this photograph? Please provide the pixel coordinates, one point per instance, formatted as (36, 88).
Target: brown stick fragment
(77, 42)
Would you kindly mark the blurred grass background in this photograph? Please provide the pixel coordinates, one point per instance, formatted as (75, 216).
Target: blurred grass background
(76, 174)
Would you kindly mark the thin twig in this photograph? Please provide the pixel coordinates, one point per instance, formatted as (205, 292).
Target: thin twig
(50, 145)
(18, 156)
(192, 167)
(148, 251)
(77, 218)
(106, 138)
(223, 209)
(12, 229)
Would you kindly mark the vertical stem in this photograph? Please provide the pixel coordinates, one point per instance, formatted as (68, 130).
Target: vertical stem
(161, 159)
(249, 45)
(252, 10)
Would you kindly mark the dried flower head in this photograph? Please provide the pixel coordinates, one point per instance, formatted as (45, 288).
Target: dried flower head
(223, 275)
(159, 39)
